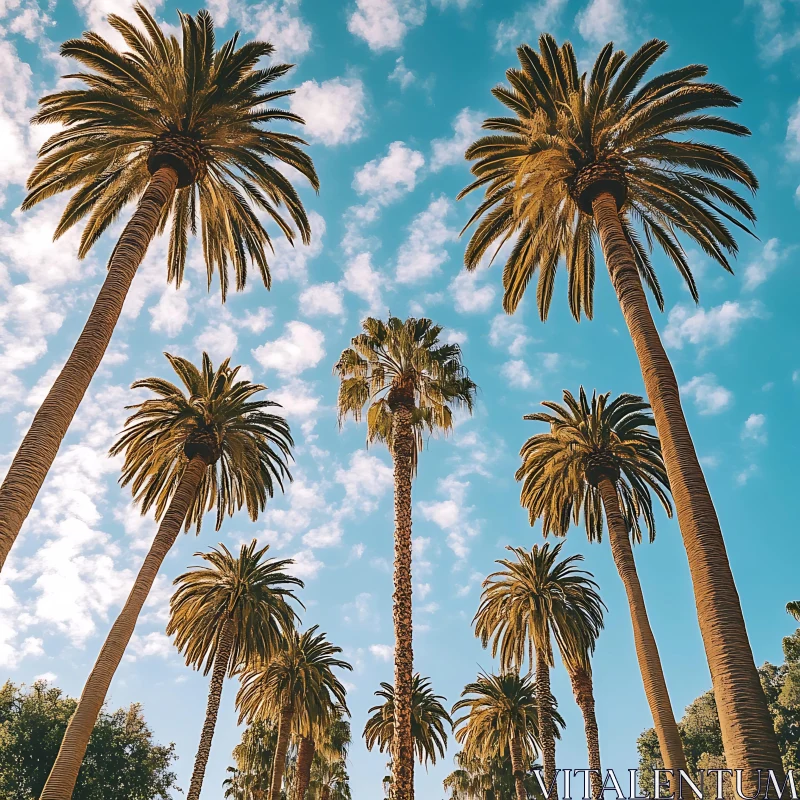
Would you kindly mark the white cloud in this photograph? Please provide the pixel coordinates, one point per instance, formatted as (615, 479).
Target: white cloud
(46, 677)
(306, 565)
(334, 110)
(388, 178)
(708, 396)
(255, 321)
(171, 312)
(468, 296)
(757, 271)
(218, 340)
(466, 129)
(401, 74)
(775, 36)
(793, 134)
(279, 23)
(150, 644)
(362, 610)
(451, 515)
(366, 480)
(455, 337)
(517, 374)
(423, 253)
(327, 535)
(603, 21)
(361, 278)
(715, 327)
(290, 262)
(383, 24)
(298, 349)
(754, 429)
(322, 299)
(745, 475)
(383, 652)
(527, 23)
(507, 332)
(297, 399)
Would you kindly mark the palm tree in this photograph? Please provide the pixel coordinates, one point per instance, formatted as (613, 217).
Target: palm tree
(214, 445)
(602, 455)
(225, 615)
(254, 755)
(521, 606)
(581, 161)
(298, 688)
(428, 720)
(793, 608)
(412, 383)
(178, 128)
(329, 779)
(489, 778)
(502, 713)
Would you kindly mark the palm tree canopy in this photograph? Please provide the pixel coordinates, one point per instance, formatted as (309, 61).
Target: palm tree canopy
(499, 709)
(251, 591)
(396, 363)
(589, 440)
(530, 597)
(793, 608)
(299, 677)
(570, 137)
(247, 448)
(187, 105)
(428, 719)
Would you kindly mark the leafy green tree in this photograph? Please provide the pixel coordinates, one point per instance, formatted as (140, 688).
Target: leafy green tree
(411, 382)
(122, 760)
(186, 452)
(183, 130)
(250, 778)
(611, 159)
(226, 614)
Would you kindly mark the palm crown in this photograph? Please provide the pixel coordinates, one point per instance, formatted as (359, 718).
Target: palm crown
(587, 440)
(571, 137)
(499, 709)
(246, 447)
(301, 676)
(252, 591)
(428, 719)
(186, 105)
(398, 363)
(532, 595)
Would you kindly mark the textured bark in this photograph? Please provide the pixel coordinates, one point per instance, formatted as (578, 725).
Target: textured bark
(38, 450)
(305, 755)
(402, 744)
(61, 781)
(655, 686)
(518, 768)
(547, 738)
(583, 690)
(748, 735)
(281, 748)
(220, 670)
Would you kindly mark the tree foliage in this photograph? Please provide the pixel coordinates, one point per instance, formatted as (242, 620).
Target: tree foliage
(122, 760)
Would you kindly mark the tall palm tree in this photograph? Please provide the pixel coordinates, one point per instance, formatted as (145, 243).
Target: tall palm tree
(180, 129)
(526, 603)
(612, 159)
(185, 452)
(428, 721)
(602, 455)
(411, 382)
(225, 615)
(297, 688)
(502, 713)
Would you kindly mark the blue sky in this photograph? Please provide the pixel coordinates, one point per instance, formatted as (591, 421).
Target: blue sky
(392, 90)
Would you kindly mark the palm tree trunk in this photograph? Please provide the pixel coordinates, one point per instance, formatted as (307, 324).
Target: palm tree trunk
(655, 686)
(402, 745)
(305, 755)
(544, 700)
(38, 450)
(584, 696)
(61, 781)
(281, 748)
(518, 768)
(325, 794)
(221, 663)
(748, 735)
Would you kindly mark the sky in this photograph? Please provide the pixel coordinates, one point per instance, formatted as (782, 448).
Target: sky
(392, 91)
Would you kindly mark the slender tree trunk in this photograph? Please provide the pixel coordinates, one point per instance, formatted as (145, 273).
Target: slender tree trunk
(402, 745)
(544, 700)
(655, 686)
(221, 663)
(38, 450)
(518, 768)
(325, 794)
(583, 690)
(281, 748)
(305, 755)
(748, 735)
(61, 781)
